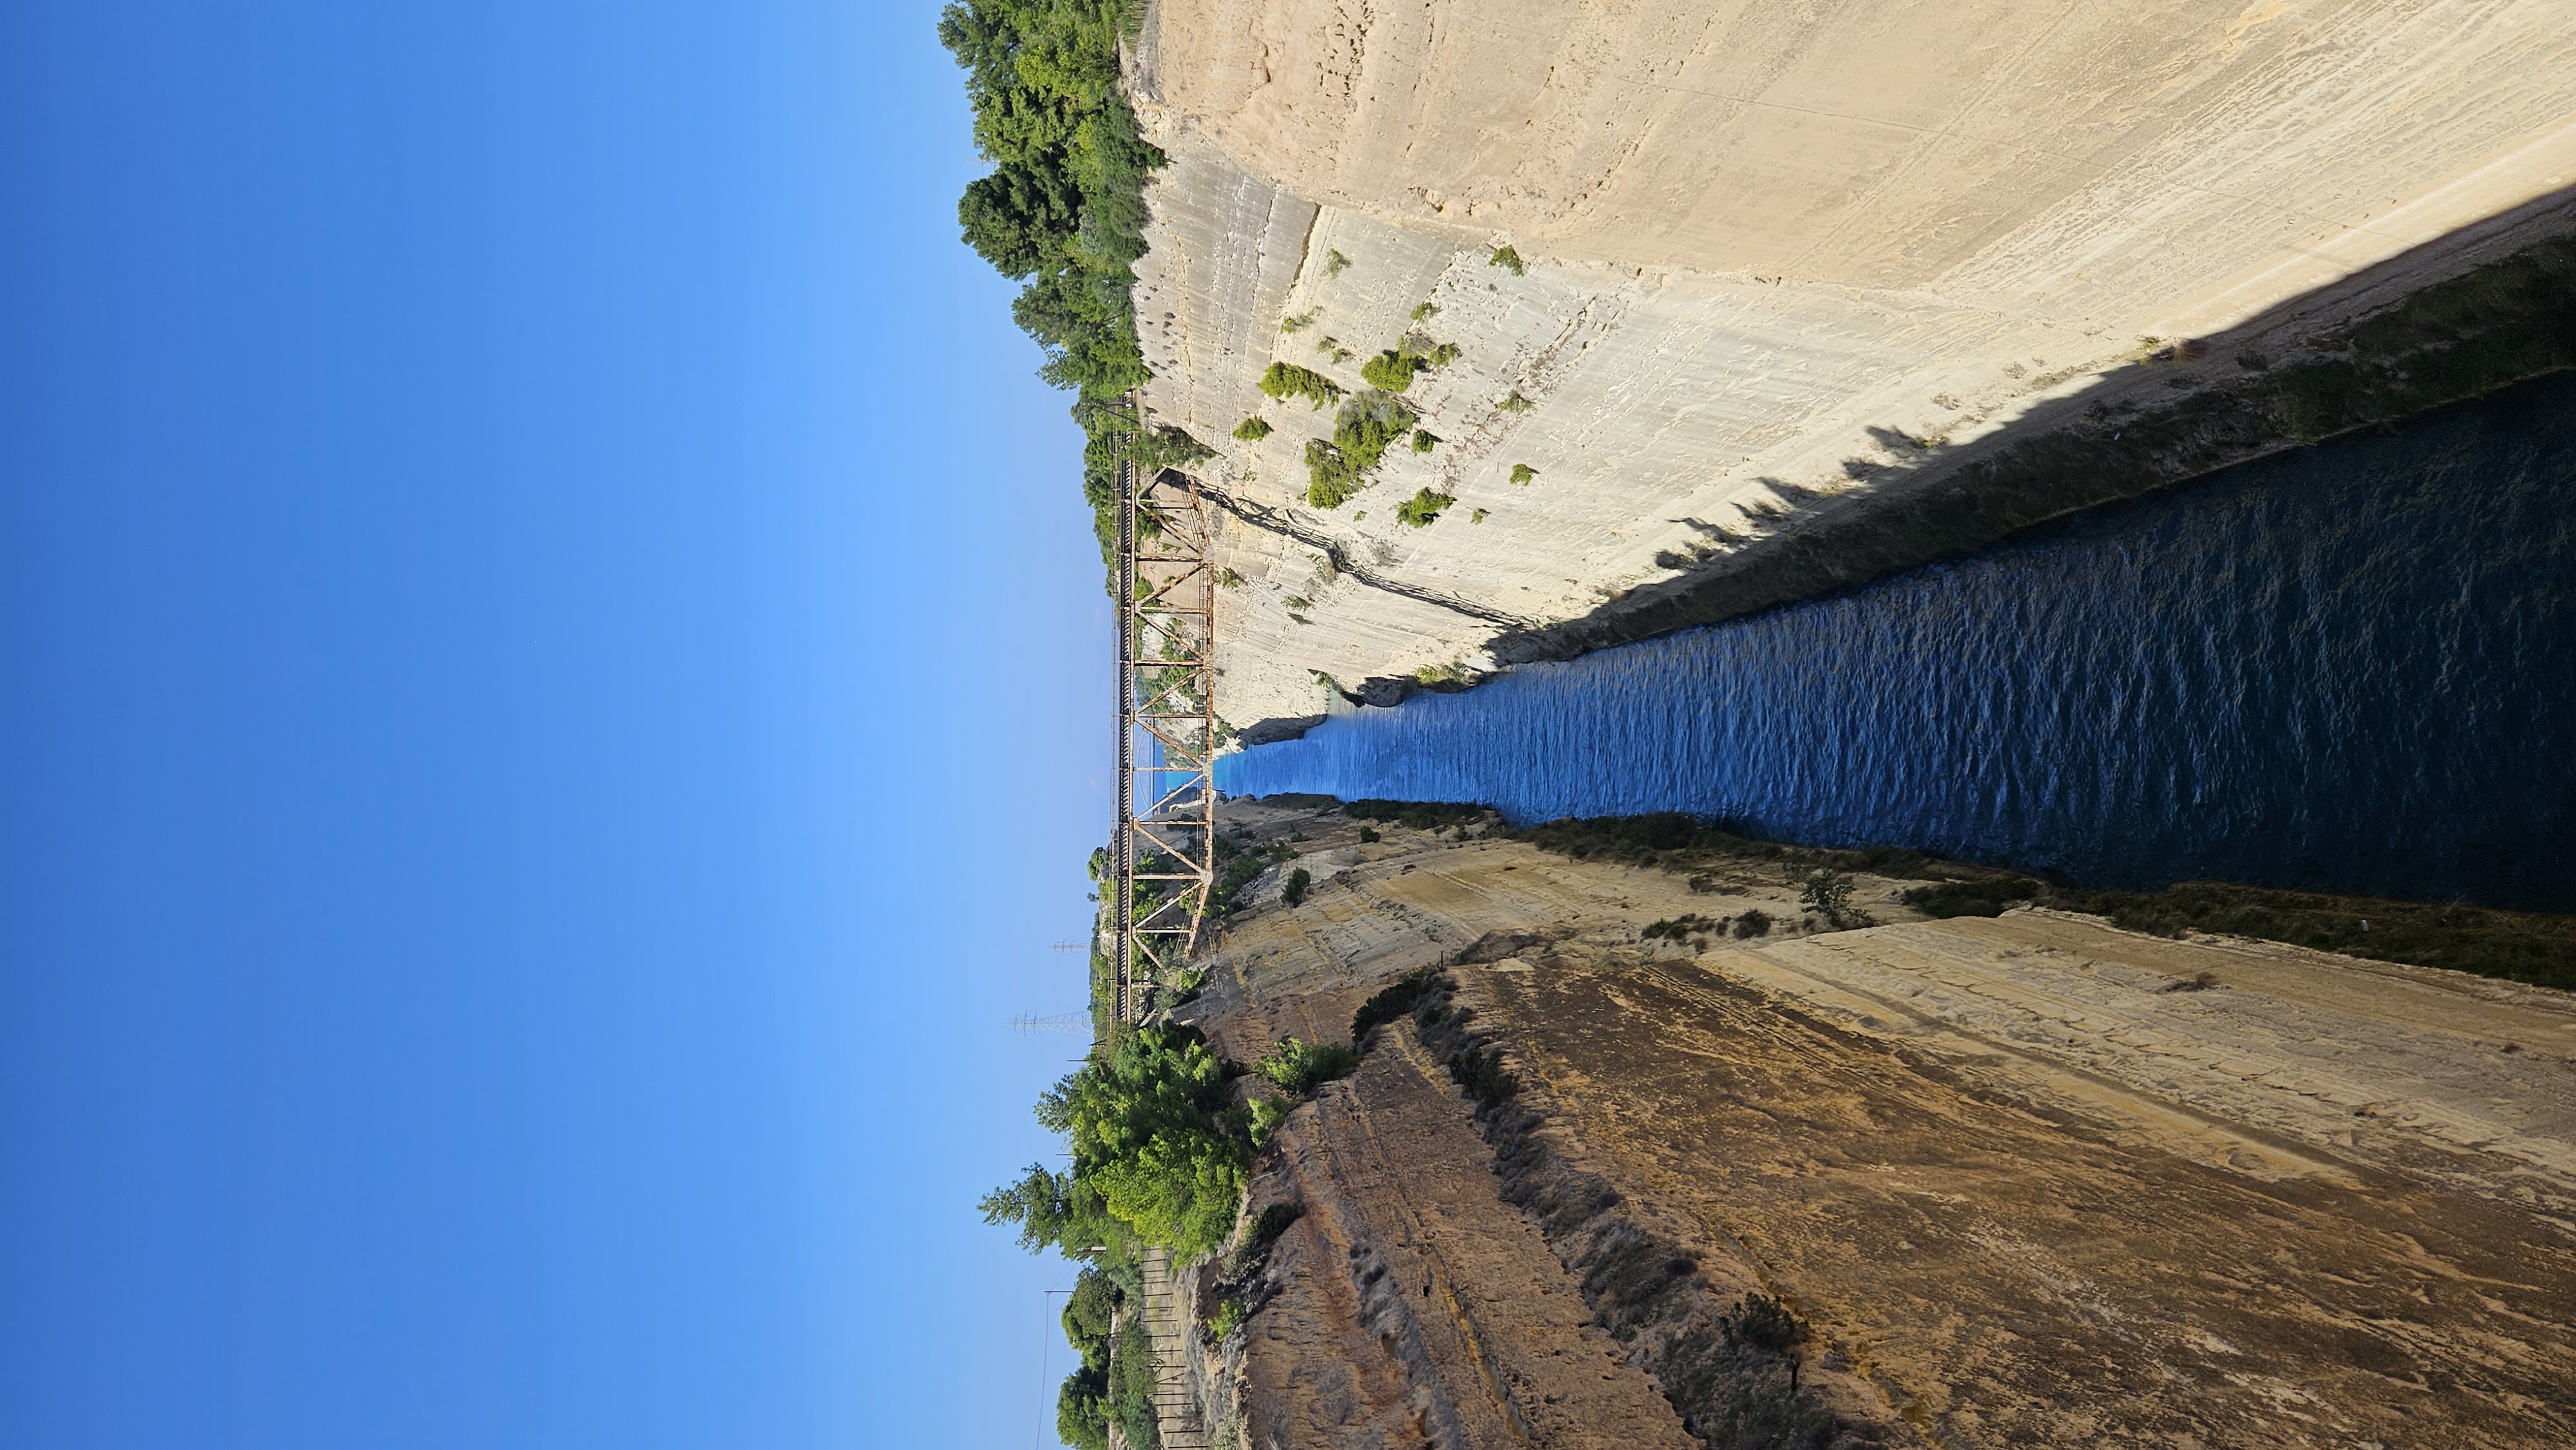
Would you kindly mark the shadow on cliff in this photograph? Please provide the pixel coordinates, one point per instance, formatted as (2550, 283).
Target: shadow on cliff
(2186, 408)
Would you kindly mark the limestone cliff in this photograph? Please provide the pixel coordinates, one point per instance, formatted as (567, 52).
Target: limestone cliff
(1781, 270)
(2016, 1181)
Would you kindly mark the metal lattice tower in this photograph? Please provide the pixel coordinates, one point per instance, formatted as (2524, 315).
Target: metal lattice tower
(1165, 842)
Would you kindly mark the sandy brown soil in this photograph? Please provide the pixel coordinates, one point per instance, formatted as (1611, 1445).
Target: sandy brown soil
(2028, 1179)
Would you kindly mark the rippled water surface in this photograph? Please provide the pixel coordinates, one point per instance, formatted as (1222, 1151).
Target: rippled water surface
(2353, 667)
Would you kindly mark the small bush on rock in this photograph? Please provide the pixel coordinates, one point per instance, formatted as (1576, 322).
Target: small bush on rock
(1423, 507)
(1287, 380)
(1297, 1067)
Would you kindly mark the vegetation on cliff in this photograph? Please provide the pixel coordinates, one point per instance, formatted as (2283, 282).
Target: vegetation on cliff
(1287, 380)
(1394, 368)
(1422, 510)
(1366, 427)
(2513, 945)
(1298, 1067)
(1063, 209)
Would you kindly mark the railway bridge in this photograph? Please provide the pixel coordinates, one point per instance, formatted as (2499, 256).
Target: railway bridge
(1163, 852)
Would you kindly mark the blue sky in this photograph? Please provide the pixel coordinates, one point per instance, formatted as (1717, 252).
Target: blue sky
(551, 666)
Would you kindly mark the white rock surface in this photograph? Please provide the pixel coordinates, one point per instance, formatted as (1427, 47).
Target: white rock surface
(1769, 253)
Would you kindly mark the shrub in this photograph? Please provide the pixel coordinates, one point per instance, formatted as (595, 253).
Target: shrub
(1523, 473)
(1481, 1074)
(1287, 380)
(1228, 1318)
(1453, 673)
(1987, 897)
(1334, 262)
(1297, 323)
(1829, 895)
(1133, 1373)
(2515, 945)
(1393, 369)
(1166, 447)
(1676, 928)
(1424, 440)
(1267, 1115)
(1299, 881)
(1423, 507)
(1266, 1228)
(1764, 1323)
(1477, 517)
(1252, 430)
(1228, 579)
(1369, 834)
(1513, 402)
(1425, 311)
(1420, 815)
(1297, 1067)
(1504, 256)
(1230, 878)
(1392, 1002)
(1366, 426)
(1753, 923)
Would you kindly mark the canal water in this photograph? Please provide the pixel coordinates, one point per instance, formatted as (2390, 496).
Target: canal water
(2350, 668)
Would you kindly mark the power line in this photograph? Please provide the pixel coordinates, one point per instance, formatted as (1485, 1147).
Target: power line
(1061, 1022)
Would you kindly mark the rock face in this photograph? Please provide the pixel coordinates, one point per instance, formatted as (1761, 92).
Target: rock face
(2026, 1180)
(1776, 263)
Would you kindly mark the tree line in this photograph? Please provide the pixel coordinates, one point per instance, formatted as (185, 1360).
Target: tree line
(1063, 209)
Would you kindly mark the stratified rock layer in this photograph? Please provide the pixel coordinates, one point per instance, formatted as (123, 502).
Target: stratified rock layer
(1778, 264)
(2028, 1180)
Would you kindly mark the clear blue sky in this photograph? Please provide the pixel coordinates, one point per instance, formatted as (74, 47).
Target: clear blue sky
(551, 673)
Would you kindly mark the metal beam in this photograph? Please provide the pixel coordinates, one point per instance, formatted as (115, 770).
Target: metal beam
(1166, 721)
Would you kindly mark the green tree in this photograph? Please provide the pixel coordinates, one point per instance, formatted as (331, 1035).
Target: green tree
(1159, 1152)
(1063, 210)
(1829, 895)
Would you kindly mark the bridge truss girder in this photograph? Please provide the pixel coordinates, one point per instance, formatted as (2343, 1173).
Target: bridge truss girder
(1165, 839)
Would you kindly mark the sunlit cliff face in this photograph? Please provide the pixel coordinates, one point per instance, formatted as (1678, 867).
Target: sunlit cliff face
(1771, 267)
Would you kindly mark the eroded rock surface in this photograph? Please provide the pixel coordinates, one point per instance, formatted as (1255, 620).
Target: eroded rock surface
(1778, 265)
(2026, 1180)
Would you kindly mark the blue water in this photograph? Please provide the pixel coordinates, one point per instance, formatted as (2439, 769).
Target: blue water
(2350, 668)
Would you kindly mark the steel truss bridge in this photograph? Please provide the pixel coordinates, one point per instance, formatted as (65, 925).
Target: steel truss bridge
(1163, 854)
